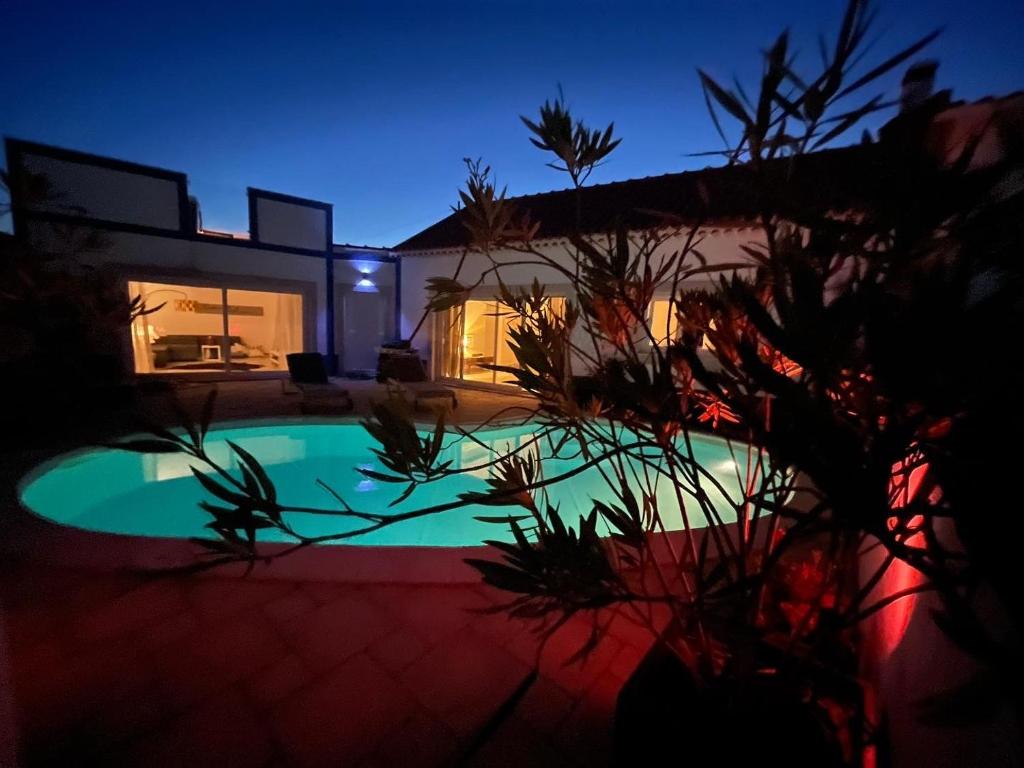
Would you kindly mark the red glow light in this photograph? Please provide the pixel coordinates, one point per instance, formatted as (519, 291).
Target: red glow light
(894, 619)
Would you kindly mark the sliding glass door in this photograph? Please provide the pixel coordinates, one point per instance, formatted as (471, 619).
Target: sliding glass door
(199, 329)
(664, 323)
(263, 327)
(477, 335)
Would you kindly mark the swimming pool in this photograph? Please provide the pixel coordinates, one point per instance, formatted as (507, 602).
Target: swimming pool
(155, 495)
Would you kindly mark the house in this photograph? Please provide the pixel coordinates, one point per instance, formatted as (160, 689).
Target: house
(230, 304)
(720, 202)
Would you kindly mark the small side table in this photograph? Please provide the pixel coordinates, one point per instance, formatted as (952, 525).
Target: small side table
(210, 351)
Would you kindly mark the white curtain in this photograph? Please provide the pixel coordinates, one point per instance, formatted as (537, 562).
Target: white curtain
(287, 324)
(142, 349)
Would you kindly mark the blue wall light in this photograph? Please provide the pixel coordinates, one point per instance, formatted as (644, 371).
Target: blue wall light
(365, 284)
(365, 267)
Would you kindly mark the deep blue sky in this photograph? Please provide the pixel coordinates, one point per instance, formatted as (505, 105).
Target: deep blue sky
(371, 106)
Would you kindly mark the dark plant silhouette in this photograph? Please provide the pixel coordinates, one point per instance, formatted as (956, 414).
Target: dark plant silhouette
(60, 317)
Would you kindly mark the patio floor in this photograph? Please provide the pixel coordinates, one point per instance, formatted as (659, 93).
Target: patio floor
(117, 669)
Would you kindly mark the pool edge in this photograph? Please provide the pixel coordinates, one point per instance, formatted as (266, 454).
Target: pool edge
(41, 539)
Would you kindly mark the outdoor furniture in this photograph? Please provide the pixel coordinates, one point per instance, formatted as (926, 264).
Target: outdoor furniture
(427, 396)
(399, 361)
(320, 396)
(307, 368)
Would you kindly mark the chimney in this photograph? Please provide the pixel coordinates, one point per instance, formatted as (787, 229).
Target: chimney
(918, 83)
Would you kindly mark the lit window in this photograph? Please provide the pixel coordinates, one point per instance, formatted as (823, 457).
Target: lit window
(477, 335)
(199, 329)
(664, 323)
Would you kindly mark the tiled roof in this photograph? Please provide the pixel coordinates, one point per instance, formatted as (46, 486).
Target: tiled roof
(354, 247)
(722, 196)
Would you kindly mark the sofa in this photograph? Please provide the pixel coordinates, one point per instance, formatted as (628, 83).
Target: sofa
(185, 347)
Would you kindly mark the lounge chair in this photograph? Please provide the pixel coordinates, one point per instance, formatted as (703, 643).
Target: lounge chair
(428, 396)
(319, 395)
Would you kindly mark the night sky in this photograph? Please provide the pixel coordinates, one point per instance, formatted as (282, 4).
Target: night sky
(371, 106)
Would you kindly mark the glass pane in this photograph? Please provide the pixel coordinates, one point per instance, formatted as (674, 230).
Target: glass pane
(664, 326)
(477, 335)
(263, 327)
(448, 332)
(478, 340)
(507, 321)
(186, 334)
(554, 305)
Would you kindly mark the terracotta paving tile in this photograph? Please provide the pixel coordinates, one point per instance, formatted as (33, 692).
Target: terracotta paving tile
(420, 741)
(499, 626)
(116, 722)
(174, 628)
(491, 594)
(222, 732)
(433, 612)
(216, 599)
(216, 656)
(341, 718)
(523, 645)
(44, 585)
(130, 611)
(628, 628)
(30, 625)
(290, 609)
(186, 682)
(335, 631)
(71, 745)
(576, 676)
(625, 662)
(324, 592)
(517, 744)
(545, 706)
(71, 726)
(280, 679)
(398, 649)
(65, 694)
(33, 662)
(587, 732)
(97, 588)
(464, 680)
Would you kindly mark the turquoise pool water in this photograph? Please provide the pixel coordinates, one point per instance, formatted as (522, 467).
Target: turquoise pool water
(156, 495)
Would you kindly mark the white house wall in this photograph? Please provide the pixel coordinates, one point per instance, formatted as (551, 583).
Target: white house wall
(155, 257)
(105, 193)
(717, 246)
(290, 224)
(143, 220)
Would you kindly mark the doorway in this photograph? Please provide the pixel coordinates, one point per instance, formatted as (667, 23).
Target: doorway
(476, 335)
(363, 324)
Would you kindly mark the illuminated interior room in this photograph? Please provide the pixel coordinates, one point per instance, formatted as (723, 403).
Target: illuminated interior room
(478, 335)
(199, 329)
